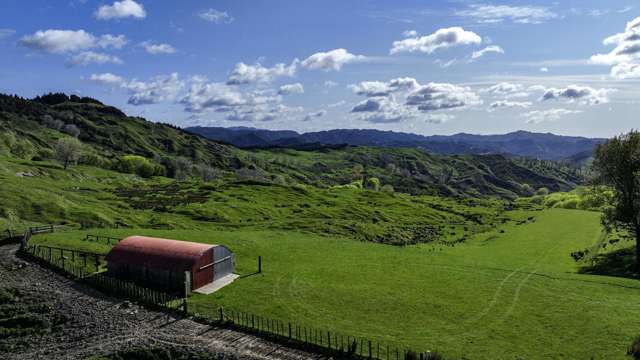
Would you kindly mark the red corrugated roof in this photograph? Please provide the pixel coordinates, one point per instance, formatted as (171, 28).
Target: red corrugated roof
(157, 252)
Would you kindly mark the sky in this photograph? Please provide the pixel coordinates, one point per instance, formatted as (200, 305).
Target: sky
(427, 67)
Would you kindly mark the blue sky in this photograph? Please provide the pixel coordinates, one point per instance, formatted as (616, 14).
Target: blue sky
(429, 67)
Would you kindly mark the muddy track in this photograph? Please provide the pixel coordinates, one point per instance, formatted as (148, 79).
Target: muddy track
(98, 324)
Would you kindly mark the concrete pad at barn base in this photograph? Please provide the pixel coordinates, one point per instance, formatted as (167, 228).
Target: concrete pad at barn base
(217, 285)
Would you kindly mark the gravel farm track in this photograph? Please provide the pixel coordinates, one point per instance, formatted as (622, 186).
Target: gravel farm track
(97, 324)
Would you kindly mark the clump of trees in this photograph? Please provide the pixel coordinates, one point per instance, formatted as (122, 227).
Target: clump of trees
(617, 164)
(143, 167)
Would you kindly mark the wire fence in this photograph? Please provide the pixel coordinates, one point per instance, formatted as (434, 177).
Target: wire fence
(309, 338)
(74, 263)
(102, 239)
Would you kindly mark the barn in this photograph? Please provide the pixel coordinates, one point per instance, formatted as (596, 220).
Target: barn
(164, 263)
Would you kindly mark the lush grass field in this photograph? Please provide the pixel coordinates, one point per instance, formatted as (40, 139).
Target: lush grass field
(506, 295)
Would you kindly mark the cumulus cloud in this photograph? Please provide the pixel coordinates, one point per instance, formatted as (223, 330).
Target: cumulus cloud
(625, 57)
(315, 115)
(154, 49)
(441, 96)
(90, 57)
(405, 98)
(489, 49)
(237, 105)
(508, 104)
(5, 33)
(68, 41)
(538, 116)
(491, 14)
(216, 16)
(331, 60)
(288, 89)
(247, 74)
(157, 89)
(107, 79)
(121, 9)
(378, 88)
(576, 93)
(441, 39)
(410, 33)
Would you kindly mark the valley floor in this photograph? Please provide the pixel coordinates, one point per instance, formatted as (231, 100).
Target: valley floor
(511, 293)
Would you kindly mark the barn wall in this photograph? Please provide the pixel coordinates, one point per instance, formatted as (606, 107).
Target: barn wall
(224, 262)
(154, 278)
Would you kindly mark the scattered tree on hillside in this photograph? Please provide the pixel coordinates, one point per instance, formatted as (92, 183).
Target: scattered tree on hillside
(208, 173)
(68, 150)
(183, 168)
(373, 184)
(617, 164)
(71, 130)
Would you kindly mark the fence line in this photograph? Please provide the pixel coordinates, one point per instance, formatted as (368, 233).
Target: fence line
(310, 338)
(99, 238)
(103, 282)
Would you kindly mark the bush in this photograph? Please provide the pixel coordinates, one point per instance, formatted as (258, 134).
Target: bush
(634, 349)
(543, 191)
(23, 149)
(71, 130)
(44, 154)
(373, 184)
(388, 189)
(143, 167)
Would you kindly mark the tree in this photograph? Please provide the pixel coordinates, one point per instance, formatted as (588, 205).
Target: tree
(68, 150)
(71, 130)
(617, 164)
(373, 184)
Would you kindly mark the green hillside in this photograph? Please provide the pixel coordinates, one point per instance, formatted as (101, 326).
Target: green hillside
(32, 128)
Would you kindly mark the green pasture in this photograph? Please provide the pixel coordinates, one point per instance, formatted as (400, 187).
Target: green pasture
(511, 293)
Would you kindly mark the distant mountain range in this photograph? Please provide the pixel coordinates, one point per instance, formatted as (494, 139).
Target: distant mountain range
(520, 143)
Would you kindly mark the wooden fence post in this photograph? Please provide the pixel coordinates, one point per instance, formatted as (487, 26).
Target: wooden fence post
(97, 263)
(259, 264)
(185, 310)
(289, 330)
(221, 314)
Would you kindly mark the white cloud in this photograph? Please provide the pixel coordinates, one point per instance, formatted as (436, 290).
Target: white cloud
(315, 115)
(68, 41)
(121, 9)
(157, 89)
(154, 49)
(246, 74)
(107, 79)
(441, 39)
(491, 14)
(5, 33)
(504, 88)
(489, 49)
(508, 104)
(90, 57)
(216, 16)
(404, 98)
(337, 104)
(442, 96)
(112, 41)
(576, 93)
(544, 69)
(383, 110)
(410, 33)
(288, 89)
(538, 116)
(378, 88)
(237, 105)
(331, 60)
(625, 57)
(330, 84)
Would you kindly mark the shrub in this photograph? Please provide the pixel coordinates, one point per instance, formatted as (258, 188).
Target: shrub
(542, 191)
(373, 184)
(634, 349)
(143, 167)
(44, 154)
(387, 189)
